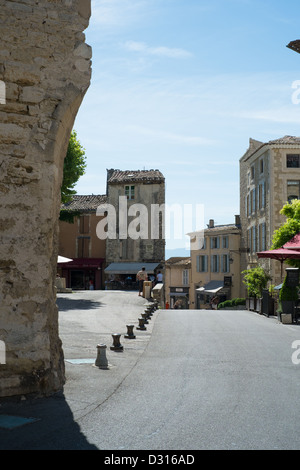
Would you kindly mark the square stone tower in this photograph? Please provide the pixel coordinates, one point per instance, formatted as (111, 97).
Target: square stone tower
(138, 198)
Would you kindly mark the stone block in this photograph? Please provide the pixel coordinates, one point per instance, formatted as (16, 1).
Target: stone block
(286, 318)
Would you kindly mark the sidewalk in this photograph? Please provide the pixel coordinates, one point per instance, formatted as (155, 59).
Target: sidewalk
(86, 319)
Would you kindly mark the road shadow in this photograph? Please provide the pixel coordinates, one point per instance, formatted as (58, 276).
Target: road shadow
(54, 428)
(66, 303)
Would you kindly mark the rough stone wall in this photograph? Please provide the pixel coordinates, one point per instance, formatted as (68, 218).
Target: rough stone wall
(46, 68)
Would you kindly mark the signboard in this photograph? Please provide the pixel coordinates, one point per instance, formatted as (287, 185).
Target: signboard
(292, 279)
(227, 281)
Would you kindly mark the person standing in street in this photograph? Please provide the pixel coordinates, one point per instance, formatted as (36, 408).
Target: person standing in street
(159, 277)
(141, 277)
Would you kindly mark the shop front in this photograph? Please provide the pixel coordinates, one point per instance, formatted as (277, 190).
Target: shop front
(179, 298)
(211, 294)
(83, 273)
(123, 275)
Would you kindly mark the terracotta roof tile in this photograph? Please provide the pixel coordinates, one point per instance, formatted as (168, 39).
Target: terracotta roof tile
(178, 261)
(256, 145)
(294, 45)
(288, 139)
(84, 203)
(140, 176)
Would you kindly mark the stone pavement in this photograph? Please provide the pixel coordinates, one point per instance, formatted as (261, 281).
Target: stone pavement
(86, 319)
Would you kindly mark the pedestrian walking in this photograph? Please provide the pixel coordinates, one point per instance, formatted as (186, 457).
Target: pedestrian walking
(141, 277)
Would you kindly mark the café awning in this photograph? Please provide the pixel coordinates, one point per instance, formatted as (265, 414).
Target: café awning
(79, 263)
(63, 259)
(211, 287)
(293, 244)
(130, 268)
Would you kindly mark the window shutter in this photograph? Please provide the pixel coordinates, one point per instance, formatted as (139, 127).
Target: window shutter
(254, 238)
(263, 236)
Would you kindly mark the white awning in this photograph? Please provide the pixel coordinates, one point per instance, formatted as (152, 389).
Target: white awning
(130, 268)
(62, 259)
(211, 287)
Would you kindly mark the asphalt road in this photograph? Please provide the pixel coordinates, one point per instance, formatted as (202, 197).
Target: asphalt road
(208, 380)
(195, 380)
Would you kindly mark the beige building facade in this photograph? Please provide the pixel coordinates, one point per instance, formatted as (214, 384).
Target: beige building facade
(79, 242)
(269, 178)
(177, 282)
(215, 268)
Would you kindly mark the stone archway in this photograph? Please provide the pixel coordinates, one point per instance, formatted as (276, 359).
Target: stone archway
(46, 68)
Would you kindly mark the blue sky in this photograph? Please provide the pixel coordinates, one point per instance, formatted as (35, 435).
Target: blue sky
(181, 86)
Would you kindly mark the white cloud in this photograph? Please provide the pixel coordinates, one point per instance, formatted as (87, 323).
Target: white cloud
(280, 115)
(116, 12)
(170, 136)
(161, 51)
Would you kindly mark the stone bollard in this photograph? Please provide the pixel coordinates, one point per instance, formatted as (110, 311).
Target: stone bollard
(116, 343)
(141, 324)
(148, 315)
(145, 316)
(130, 334)
(101, 360)
(149, 311)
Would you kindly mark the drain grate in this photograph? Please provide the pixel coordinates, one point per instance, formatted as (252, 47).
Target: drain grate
(11, 422)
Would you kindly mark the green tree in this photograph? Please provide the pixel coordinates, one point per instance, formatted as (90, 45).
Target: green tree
(288, 229)
(256, 279)
(74, 168)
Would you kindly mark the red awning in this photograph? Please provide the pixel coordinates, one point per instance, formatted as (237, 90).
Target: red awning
(281, 254)
(80, 263)
(294, 243)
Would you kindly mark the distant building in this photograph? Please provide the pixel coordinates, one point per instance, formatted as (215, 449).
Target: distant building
(216, 266)
(177, 281)
(294, 45)
(79, 242)
(138, 199)
(269, 178)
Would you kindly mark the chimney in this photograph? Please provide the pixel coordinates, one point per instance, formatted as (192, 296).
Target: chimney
(109, 175)
(211, 223)
(238, 221)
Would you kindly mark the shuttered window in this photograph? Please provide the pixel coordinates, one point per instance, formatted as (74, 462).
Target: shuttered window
(83, 247)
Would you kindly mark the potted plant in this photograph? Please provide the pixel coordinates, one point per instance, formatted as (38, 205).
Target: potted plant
(256, 279)
(288, 298)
